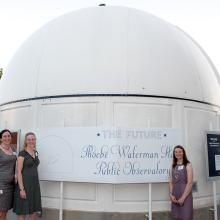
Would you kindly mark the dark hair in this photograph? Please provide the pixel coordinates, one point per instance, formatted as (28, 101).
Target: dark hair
(3, 131)
(185, 159)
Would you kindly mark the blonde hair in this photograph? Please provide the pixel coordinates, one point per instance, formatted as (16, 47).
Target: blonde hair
(25, 139)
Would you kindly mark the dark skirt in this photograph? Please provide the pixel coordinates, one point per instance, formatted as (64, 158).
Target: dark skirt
(6, 198)
(32, 203)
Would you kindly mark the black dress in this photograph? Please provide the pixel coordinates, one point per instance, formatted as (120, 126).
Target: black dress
(32, 203)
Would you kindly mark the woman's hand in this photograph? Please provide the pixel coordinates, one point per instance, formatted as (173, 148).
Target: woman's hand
(181, 201)
(173, 199)
(23, 194)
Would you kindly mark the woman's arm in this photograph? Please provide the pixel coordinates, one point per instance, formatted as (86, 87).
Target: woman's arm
(189, 184)
(172, 197)
(20, 163)
(170, 184)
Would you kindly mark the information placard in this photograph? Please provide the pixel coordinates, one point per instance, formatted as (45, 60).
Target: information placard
(213, 155)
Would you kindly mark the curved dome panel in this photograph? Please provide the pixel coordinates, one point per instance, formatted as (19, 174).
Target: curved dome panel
(110, 50)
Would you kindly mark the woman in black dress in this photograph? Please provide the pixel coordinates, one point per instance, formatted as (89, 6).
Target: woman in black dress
(7, 173)
(27, 199)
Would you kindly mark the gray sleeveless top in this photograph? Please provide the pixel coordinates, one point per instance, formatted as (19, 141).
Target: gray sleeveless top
(7, 168)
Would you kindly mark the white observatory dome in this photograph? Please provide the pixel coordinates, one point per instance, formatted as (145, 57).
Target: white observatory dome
(110, 50)
(112, 67)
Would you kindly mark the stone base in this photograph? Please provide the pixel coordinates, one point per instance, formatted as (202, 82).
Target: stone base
(52, 214)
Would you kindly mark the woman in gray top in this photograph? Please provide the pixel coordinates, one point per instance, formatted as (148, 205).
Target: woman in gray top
(7, 173)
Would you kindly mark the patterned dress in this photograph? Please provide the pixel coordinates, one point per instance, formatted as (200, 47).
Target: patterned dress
(179, 178)
(7, 181)
(32, 203)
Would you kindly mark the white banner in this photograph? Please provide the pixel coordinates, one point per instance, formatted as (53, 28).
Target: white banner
(106, 155)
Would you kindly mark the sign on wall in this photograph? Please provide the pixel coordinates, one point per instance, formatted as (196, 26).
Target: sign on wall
(213, 155)
(106, 155)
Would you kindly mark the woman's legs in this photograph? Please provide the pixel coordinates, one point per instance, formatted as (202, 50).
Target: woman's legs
(25, 217)
(32, 217)
(20, 217)
(3, 215)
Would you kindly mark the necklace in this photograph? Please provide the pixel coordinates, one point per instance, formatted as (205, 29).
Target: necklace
(7, 150)
(179, 162)
(32, 153)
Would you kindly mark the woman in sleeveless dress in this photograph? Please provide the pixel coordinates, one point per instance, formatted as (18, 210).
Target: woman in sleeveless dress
(27, 201)
(7, 173)
(180, 186)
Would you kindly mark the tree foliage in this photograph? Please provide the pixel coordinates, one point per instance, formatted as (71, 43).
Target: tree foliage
(1, 72)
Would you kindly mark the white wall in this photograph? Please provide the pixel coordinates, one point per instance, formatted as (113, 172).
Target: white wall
(194, 118)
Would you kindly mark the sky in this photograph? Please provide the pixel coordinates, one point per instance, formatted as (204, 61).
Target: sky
(20, 18)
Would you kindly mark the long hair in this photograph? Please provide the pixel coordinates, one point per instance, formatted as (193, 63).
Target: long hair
(185, 159)
(25, 139)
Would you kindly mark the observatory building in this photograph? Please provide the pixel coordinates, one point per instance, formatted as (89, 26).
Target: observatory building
(114, 67)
